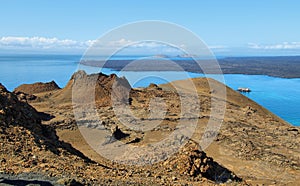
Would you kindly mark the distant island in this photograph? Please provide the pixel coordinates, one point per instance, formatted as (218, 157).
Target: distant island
(277, 66)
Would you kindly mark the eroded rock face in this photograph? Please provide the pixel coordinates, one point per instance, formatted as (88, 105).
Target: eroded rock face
(37, 87)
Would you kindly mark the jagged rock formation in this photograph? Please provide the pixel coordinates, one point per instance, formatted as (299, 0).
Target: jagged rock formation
(97, 87)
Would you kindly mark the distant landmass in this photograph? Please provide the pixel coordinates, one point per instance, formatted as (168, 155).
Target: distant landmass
(282, 66)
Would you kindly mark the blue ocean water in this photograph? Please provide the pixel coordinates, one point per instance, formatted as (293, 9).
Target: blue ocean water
(280, 96)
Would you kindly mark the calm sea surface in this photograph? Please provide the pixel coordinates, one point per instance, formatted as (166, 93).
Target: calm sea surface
(279, 95)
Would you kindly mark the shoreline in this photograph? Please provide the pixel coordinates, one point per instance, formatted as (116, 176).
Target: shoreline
(224, 73)
(283, 67)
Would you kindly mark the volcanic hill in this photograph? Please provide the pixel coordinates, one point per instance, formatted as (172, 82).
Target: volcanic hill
(253, 146)
(32, 153)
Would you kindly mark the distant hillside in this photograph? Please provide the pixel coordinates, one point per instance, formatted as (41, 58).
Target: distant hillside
(285, 66)
(37, 87)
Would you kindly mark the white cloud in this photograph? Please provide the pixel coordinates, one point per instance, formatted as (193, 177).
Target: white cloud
(99, 44)
(148, 44)
(90, 42)
(39, 43)
(217, 47)
(280, 46)
(125, 43)
(121, 42)
(54, 44)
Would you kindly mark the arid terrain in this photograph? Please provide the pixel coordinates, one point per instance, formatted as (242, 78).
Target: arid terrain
(41, 136)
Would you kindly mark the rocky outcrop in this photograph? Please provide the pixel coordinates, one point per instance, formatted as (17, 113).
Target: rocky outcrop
(84, 88)
(29, 146)
(37, 87)
(193, 162)
(14, 112)
(17, 117)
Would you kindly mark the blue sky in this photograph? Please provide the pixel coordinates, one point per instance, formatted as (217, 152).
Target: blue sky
(229, 27)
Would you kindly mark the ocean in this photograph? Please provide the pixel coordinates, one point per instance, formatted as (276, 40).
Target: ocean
(279, 95)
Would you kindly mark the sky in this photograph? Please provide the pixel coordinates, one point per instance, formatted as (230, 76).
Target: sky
(229, 27)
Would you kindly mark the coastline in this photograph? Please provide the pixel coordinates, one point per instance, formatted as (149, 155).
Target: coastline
(277, 94)
(282, 67)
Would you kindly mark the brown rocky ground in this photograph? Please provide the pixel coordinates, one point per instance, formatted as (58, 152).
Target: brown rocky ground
(252, 144)
(27, 146)
(255, 144)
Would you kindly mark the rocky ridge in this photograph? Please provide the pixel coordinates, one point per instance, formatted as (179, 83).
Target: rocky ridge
(37, 88)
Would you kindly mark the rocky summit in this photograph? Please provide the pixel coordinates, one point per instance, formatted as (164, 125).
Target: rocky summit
(41, 136)
(37, 87)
